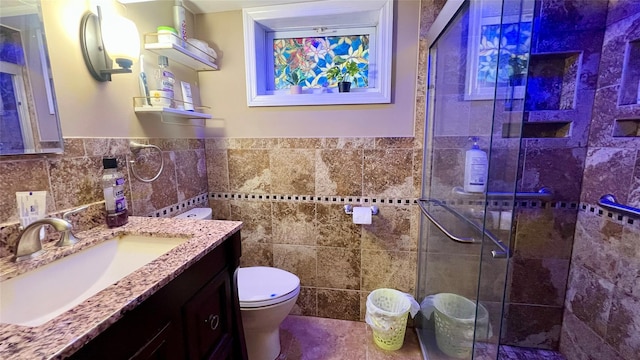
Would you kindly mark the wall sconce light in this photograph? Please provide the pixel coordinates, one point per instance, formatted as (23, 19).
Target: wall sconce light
(108, 39)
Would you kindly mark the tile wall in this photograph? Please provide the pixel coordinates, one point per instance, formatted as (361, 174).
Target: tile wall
(290, 193)
(602, 304)
(73, 179)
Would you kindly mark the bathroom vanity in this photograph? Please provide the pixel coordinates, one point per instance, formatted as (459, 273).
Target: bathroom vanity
(182, 305)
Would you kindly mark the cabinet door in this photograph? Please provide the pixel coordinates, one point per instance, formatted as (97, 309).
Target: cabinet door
(207, 316)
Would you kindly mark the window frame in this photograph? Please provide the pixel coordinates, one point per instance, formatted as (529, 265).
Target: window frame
(260, 23)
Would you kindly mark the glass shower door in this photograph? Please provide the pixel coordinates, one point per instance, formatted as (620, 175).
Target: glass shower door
(477, 74)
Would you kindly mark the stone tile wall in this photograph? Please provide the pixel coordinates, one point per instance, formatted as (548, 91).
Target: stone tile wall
(290, 194)
(73, 179)
(602, 305)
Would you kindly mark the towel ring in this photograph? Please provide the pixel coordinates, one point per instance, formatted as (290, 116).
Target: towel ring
(135, 149)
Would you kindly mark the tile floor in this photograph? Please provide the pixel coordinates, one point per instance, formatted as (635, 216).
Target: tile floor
(312, 338)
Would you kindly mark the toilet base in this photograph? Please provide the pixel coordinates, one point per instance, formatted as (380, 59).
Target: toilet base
(263, 345)
(262, 329)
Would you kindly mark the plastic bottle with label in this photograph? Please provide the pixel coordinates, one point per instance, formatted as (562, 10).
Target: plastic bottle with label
(476, 168)
(165, 81)
(113, 190)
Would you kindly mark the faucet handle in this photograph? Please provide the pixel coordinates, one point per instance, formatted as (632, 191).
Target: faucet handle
(67, 237)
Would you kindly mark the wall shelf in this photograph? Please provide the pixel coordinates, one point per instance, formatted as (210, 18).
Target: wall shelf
(176, 113)
(170, 115)
(192, 57)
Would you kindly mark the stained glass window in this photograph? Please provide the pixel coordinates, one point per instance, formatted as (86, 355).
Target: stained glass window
(305, 61)
(512, 41)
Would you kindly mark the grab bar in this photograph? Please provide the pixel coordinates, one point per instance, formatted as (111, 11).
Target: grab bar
(544, 193)
(504, 249)
(609, 202)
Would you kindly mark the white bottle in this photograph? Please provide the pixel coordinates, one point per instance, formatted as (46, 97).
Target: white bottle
(476, 168)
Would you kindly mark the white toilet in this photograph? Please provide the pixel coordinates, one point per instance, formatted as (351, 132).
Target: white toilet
(266, 296)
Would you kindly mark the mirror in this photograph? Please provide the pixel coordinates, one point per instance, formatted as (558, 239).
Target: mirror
(29, 121)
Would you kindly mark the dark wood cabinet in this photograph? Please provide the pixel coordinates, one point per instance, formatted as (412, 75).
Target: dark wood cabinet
(195, 316)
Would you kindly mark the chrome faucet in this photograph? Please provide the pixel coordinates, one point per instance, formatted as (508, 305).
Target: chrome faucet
(29, 244)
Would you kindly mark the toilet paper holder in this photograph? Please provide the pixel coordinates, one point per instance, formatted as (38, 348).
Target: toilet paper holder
(348, 209)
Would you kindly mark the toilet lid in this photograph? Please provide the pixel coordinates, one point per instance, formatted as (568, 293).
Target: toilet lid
(260, 286)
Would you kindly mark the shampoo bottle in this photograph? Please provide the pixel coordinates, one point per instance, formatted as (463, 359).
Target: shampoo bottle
(113, 190)
(476, 167)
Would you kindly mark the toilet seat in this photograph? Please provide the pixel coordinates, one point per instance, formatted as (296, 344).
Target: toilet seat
(261, 286)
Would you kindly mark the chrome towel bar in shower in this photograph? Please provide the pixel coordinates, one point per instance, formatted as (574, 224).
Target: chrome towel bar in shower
(544, 193)
(504, 249)
(609, 202)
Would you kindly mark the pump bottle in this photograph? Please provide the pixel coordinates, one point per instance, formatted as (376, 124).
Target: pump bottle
(113, 190)
(476, 168)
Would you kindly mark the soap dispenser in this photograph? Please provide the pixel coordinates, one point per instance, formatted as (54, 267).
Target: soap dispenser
(476, 168)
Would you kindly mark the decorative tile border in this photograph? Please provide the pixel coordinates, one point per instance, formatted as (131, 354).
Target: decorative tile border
(602, 212)
(368, 200)
(175, 209)
(364, 200)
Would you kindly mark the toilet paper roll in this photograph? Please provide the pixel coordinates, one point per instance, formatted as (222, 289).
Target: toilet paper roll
(362, 215)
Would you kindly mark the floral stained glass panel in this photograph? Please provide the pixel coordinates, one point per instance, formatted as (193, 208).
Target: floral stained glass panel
(305, 61)
(507, 42)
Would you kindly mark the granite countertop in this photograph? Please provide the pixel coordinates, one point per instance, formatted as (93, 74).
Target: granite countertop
(65, 334)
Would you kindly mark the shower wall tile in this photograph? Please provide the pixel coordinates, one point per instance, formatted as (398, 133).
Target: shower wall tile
(608, 171)
(544, 233)
(598, 245)
(446, 273)
(447, 171)
(586, 14)
(559, 169)
(294, 223)
(335, 228)
(589, 298)
(338, 268)
(578, 341)
(292, 171)
(634, 194)
(338, 172)
(249, 171)
(532, 326)
(614, 46)
(601, 131)
(388, 173)
(623, 319)
(619, 10)
(339, 304)
(538, 281)
(389, 230)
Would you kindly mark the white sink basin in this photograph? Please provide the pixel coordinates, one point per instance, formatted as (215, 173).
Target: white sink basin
(33, 298)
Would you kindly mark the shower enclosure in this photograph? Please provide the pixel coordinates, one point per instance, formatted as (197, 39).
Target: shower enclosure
(485, 82)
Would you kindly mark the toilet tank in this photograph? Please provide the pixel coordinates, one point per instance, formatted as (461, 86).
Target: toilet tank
(196, 214)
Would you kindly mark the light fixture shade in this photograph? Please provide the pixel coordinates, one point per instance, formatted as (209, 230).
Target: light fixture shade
(121, 39)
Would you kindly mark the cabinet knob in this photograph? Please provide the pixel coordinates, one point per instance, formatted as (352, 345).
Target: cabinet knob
(213, 321)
